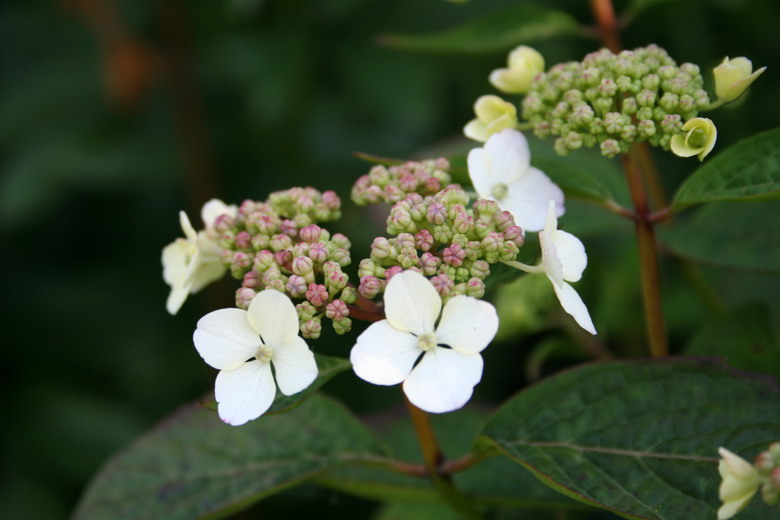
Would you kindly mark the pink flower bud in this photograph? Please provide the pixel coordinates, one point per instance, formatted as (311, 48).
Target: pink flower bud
(391, 271)
(311, 328)
(243, 240)
(480, 269)
(296, 286)
(279, 242)
(429, 264)
(223, 223)
(288, 227)
(318, 252)
(336, 280)
(260, 241)
(341, 256)
(251, 280)
(380, 248)
(331, 200)
(336, 310)
(244, 297)
(311, 233)
(317, 294)
(475, 288)
(437, 214)
(463, 223)
(515, 234)
(341, 241)
(443, 284)
(454, 255)
(404, 240)
(423, 240)
(369, 287)
(283, 258)
(263, 260)
(305, 310)
(503, 220)
(302, 265)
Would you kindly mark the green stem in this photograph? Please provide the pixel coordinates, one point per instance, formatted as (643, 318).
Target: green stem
(648, 258)
(434, 461)
(524, 267)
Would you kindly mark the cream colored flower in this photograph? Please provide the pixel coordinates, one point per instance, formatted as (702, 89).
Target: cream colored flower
(698, 139)
(493, 115)
(524, 64)
(740, 483)
(189, 264)
(733, 77)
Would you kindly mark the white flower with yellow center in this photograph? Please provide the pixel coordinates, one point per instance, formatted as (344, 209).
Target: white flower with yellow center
(733, 77)
(450, 364)
(563, 260)
(244, 344)
(524, 64)
(502, 171)
(740, 483)
(189, 264)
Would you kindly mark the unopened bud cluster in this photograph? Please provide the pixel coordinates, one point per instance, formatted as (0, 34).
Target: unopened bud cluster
(440, 237)
(614, 100)
(768, 467)
(276, 244)
(393, 184)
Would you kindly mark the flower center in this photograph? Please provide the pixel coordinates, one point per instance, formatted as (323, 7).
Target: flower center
(697, 138)
(264, 354)
(427, 341)
(499, 190)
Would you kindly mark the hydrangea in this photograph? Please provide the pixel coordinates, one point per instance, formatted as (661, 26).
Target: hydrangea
(244, 344)
(450, 364)
(493, 115)
(393, 184)
(740, 482)
(191, 263)
(733, 77)
(502, 171)
(524, 64)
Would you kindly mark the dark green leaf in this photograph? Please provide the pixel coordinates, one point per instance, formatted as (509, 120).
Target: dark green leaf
(748, 170)
(744, 337)
(729, 234)
(195, 466)
(496, 480)
(498, 30)
(575, 183)
(378, 159)
(640, 438)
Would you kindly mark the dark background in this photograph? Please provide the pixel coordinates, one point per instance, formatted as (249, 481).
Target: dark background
(116, 114)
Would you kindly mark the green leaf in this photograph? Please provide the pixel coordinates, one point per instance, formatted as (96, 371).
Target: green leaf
(729, 234)
(748, 170)
(498, 30)
(416, 511)
(640, 438)
(575, 183)
(494, 481)
(194, 466)
(744, 337)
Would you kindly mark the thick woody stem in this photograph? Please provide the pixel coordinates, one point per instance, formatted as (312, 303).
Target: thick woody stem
(608, 24)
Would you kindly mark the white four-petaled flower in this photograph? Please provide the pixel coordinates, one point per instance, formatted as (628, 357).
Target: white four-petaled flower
(451, 365)
(243, 344)
(502, 171)
(191, 263)
(564, 260)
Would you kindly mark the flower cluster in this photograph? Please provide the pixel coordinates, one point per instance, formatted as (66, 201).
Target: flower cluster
(393, 184)
(442, 238)
(615, 100)
(274, 245)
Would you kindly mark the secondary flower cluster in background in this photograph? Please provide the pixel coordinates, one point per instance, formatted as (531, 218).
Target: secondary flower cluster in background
(742, 480)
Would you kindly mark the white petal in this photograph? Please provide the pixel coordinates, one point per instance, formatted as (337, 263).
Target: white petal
(480, 172)
(213, 209)
(529, 197)
(552, 222)
(224, 338)
(467, 325)
(245, 393)
(411, 303)
(174, 261)
(573, 304)
(550, 261)
(384, 355)
(509, 155)
(189, 231)
(732, 507)
(443, 380)
(272, 314)
(572, 255)
(205, 273)
(294, 365)
(176, 298)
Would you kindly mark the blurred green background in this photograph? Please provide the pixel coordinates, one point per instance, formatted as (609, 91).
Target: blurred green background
(116, 114)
